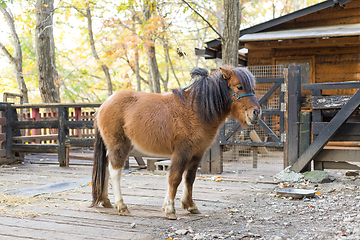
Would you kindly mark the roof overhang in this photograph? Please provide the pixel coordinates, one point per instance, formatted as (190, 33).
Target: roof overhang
(292, 16)
(344, 30)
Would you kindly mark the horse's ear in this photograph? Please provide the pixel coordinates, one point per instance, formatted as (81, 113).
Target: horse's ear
(226, 72)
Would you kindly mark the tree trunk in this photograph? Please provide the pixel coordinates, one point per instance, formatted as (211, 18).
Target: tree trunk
(104, 68)
(45, 63)
(153, 70)
(137, 71)
(154, 73)
(16, 59)
(231, 33)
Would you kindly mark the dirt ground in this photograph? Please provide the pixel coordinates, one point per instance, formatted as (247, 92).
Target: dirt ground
(239, 204)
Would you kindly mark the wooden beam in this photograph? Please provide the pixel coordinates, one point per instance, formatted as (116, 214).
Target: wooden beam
(293, 108)
(332, 85)
(349, 129)
(2, 137)
(80, 124)
(2, 152)
(34, 124)
(34, 137)
(255, 138)
(329, 102)
(3, 121)
(335, 155)
(63, 132)
(331, 128)
(37, 148)
(304, 43)
(216, 163)
(339, 165)
(57, 105)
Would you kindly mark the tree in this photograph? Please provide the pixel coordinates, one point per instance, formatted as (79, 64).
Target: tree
(15, 59)
(230, 41)
(154, 73)
(103, 66)
(45, 51)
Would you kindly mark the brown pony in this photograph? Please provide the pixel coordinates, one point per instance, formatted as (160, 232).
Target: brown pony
(181, 125)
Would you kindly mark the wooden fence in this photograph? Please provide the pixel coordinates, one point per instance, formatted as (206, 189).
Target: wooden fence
(335, 129)
(51, 128)
(48, 128)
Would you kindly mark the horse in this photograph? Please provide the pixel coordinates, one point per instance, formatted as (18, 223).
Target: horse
(180, 124)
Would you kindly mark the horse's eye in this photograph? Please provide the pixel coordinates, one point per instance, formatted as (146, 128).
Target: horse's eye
(240, 88)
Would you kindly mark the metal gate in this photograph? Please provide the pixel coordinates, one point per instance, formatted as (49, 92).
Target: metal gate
(266, 138)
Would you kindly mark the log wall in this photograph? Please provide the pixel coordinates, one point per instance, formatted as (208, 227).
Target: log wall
(335, 59)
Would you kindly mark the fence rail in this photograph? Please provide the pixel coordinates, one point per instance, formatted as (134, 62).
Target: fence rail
(46, 128)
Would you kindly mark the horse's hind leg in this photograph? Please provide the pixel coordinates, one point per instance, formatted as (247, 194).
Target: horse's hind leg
(117, 156)
(105, 202)
(187, 202)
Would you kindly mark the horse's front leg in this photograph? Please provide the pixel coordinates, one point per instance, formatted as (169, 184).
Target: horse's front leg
(115, 175)
(187, 202)
(178, 164)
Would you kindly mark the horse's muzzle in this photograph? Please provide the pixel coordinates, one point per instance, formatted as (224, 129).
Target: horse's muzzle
(256, 114)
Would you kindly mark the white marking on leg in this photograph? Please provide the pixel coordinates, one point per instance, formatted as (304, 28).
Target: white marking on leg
(115, 180)
(169, 206)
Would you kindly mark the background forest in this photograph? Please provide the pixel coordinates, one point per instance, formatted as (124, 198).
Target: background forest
(99, 47)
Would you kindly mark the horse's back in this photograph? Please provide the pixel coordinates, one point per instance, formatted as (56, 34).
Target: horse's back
(142, 117)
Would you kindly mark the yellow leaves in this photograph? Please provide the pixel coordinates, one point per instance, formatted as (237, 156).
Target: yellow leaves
(45, 5)
(218, 179)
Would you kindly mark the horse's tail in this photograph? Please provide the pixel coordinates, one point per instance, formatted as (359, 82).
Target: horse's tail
(99, 167)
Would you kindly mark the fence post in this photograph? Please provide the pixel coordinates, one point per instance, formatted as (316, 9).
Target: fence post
(62, 132)
(293, 114)
(304, 135)
(216, 163)
(10, 156)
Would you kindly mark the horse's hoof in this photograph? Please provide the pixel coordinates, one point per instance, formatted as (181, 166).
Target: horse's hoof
(194, 211)
(171, 216)
(107, 204)
(124, 211)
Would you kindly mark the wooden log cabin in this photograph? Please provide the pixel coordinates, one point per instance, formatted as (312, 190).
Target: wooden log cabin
(324, 39)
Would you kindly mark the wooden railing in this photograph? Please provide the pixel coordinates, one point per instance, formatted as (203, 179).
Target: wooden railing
(51, 128)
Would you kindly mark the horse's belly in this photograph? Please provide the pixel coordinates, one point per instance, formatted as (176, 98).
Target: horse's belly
(152, 146)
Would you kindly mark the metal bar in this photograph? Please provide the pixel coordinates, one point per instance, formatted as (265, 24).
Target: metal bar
(270, 112)
(232, 130)
(248, 143)
(269, 131)
(269, 80)
(268, 93)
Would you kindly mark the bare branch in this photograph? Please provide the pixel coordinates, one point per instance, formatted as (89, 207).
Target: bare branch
(7, 54)
(203, 19)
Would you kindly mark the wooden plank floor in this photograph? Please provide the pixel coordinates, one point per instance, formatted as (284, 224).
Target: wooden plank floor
(66, 215)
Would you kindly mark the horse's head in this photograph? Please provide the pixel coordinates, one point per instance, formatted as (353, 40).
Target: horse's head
(243, 104)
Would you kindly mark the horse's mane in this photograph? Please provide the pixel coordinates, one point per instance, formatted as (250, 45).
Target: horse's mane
(209, 93)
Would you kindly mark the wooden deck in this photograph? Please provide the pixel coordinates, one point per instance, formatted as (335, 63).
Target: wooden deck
(60, 210)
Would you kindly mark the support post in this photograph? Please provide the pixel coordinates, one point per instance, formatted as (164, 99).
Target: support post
(216, 163)
(294, 107)
(304, 135)
(10, 156)
(63, 132)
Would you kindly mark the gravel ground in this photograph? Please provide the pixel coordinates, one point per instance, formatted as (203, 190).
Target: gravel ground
(334, 213)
